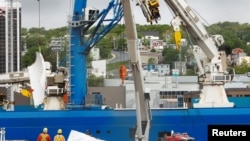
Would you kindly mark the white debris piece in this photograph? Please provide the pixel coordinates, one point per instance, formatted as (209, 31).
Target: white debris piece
(78, 136)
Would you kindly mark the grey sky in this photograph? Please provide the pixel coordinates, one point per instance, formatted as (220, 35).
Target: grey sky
(53, 13)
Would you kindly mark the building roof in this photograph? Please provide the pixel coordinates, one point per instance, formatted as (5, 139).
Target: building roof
(237, 51)
(150, 33)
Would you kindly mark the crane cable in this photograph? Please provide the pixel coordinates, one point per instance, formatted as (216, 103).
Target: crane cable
(39, 25)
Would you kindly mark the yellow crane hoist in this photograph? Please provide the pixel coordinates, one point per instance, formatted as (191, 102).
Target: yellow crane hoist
(177, 39)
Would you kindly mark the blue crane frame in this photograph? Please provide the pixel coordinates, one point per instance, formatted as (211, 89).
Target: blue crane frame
(80, 46)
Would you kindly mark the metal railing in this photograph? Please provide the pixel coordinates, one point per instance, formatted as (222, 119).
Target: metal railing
(2, 134)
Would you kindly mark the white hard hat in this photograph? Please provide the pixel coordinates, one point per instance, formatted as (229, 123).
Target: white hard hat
(59, 131)
(45, 130)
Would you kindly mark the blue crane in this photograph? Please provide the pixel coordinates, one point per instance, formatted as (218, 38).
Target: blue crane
(82, 19)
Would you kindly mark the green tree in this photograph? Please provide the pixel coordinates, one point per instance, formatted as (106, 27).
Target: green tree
(30, 56)
(105, 46)
(160, 28)
(58, 32)
(24, 32)
(49, 56)
(190, 72)
(235, 34)
(170, 55)
(146, 42)
(89, 59)
(35, 40)
(152, 50)
(122, 44)
(151, 61)
(242, 68)
(94, 81)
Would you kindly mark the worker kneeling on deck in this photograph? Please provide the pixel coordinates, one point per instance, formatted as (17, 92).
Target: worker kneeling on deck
(44, 136)
(59, 136)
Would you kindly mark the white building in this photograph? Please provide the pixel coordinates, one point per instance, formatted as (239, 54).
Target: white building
(163, 69)
(157, 70)
(156, 44)
(95, 53)
(181, 66)
(156, 84)
(10, 51)
(167, 84)
(244, 58)
(99, 68)
(151, 37)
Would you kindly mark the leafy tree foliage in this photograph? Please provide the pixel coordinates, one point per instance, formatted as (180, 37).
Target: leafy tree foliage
(36, 30)
(151, 61)
(105, 46)
(122, 44)
(236, 35)
(30, 56)
(170, 55)
(94, 81)
(24, 31)
(242, 68)
(58, 32)
(153, 50)
(118, 30)
(162, 29)
(35, 41)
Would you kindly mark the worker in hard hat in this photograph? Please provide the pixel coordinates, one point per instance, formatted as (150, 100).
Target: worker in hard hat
(44, 136)
(88, 133)
(59, 136)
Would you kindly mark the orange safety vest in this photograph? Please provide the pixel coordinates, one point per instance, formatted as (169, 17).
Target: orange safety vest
(59, 138)
(123, 73)
(43, 137)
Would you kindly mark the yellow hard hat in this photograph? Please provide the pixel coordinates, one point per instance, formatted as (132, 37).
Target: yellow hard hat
(59, 131)
(45, 130)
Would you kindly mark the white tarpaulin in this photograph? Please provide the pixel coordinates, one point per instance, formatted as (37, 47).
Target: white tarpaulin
(37, 76)
(78, 136)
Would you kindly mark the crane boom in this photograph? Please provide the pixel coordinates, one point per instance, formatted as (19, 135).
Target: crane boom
(81, 20)
(142, 99)
(190, 20)
(214, 74)
(80, 46)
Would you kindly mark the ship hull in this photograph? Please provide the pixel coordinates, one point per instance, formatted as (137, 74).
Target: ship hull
(113, 125)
